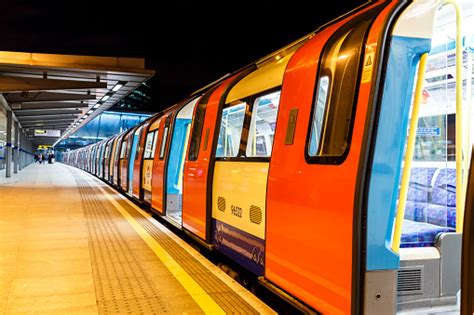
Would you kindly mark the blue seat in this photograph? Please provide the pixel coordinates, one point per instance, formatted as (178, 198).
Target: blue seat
(430, 207)
(421, 234)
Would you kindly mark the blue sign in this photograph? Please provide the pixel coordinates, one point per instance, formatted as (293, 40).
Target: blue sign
(428, 131)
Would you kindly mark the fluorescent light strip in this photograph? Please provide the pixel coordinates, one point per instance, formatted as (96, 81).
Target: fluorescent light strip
(117, 87)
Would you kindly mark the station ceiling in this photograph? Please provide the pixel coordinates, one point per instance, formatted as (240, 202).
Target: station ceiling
(64, 92)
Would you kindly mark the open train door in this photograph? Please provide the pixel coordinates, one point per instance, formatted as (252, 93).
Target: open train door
(312, 242)
(198, 166)
(467, 258)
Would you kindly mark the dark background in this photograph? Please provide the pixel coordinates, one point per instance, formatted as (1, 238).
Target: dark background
(188, 43)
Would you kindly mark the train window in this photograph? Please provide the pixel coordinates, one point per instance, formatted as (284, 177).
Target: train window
(335, 95)
(163, 143)
(155, 140)
(317, 124)
(197, 127)
(137, 144)
(262, 125)
(149, 146)
(106, 151)
(117, 148)
(230, 132)
(123, 150)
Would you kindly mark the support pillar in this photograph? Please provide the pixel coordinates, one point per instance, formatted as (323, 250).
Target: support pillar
(8, 151)
(16, 149)
(21, 154)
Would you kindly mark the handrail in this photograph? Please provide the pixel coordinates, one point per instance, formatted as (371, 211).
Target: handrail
(459, 120)
(409, 154)
(412, 135)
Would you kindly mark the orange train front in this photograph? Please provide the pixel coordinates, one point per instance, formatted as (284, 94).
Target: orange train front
(294, 167)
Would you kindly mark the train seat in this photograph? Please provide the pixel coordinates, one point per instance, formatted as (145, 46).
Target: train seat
(421, 234)
(430, 207)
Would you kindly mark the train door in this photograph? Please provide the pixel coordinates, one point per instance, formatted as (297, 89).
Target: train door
(116, 161)
(175, 164)
(134, 154)
(419, 167)
(92, 150)
(312, 230)
(137, 189)
(91, 159)
(198, 168)
(149, 153)
(107, 154)
(124, 159)
(101, 158)
(113, 151)
(97, 158)
(157, 194)
(243, 153)
(86, 160)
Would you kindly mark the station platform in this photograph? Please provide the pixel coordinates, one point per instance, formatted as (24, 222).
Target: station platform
(69, 244)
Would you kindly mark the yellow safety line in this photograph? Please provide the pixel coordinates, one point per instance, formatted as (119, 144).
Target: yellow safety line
(409, 154)
(201, 297)
(459, 120)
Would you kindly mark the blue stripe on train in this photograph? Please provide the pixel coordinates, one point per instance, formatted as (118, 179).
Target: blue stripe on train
(242, 247)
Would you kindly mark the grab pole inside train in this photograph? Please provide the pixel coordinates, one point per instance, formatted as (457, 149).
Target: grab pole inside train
(409, 154)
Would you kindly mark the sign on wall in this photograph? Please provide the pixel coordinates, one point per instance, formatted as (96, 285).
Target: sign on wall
(47, 133)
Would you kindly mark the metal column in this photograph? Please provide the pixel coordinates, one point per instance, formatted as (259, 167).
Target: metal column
(16, 151)
(8, 151)
(21, 154)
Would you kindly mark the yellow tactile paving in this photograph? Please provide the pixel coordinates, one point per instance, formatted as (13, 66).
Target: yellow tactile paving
(207, 304)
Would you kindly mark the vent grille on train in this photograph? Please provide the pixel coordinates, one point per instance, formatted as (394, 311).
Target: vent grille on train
(221, 204)
(255, 214)
(410, 280)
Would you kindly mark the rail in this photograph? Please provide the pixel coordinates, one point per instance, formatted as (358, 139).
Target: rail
(412, 136)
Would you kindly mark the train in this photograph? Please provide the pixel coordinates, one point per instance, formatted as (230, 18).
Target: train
(331, 169)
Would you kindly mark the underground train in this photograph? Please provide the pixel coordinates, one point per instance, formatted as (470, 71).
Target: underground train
(336, 170)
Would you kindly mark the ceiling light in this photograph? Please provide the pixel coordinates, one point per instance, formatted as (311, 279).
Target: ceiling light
(97, 105)
(117, 86)
(106, 97)
(90, 111)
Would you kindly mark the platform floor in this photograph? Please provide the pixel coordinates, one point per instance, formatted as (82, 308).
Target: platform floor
(69, 244)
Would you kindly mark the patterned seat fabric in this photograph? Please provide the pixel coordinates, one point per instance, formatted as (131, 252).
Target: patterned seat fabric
(431, 206)
(440, 215)
(444, 190)
(420, 234)
(420, 183)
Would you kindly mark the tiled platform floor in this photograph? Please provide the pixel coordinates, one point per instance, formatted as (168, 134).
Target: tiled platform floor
(66, 247)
